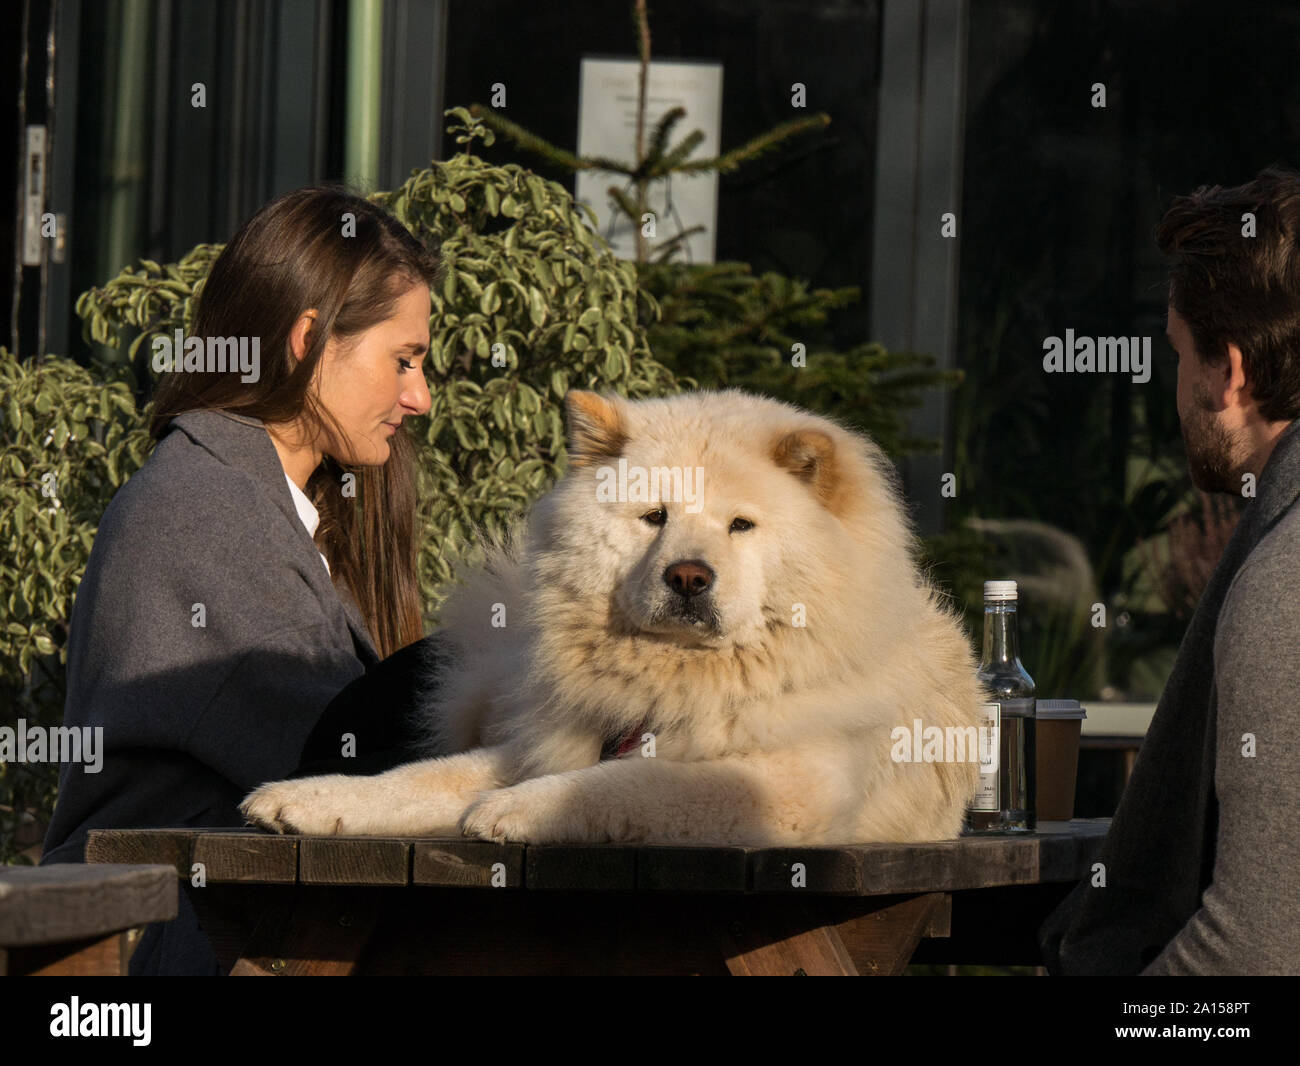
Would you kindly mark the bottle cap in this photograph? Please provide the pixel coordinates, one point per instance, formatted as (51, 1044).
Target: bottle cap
(1000, 591)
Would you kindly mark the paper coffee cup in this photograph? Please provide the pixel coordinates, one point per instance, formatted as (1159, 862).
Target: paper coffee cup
(1057, 724)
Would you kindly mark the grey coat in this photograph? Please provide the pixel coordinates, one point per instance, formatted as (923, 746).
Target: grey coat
(196, 715)
(1202, 861)
(207, 639)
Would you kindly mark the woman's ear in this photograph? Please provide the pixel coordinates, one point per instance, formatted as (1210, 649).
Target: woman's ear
(300, 336)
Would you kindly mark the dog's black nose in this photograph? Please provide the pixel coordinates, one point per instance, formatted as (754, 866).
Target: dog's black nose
(688, 578)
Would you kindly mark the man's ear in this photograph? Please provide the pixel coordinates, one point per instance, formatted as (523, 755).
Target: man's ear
(1233, 387)
(809, 454)
(597, 427)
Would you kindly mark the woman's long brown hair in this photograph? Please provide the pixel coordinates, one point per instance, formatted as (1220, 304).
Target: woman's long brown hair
(299, 252)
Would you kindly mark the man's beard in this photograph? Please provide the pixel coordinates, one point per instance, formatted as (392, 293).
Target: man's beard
(1211, 449)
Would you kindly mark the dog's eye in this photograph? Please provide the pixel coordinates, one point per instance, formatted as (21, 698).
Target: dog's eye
(739, 525)
(655, 518)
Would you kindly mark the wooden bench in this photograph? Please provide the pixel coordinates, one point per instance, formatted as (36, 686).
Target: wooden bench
(72, 919)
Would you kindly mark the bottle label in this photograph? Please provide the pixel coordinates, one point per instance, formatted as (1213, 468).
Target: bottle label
(987, 795)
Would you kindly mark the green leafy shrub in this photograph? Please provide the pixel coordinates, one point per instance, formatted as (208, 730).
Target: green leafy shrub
(68, 440)
(153, 299)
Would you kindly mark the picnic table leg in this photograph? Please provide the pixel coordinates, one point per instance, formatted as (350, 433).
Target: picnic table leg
(873, 936)
(881, 932)
(774, 937)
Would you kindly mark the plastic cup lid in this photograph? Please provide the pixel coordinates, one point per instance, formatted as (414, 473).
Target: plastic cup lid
(1059, 709)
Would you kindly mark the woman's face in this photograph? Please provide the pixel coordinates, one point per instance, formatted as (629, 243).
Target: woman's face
(371, 386)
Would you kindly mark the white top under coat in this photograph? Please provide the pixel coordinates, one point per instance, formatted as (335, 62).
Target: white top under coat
(309, 515)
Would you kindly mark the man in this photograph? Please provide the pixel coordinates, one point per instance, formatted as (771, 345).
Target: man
(1200, 872)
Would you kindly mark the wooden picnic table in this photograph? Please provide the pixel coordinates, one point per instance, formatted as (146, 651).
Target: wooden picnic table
(290, 905)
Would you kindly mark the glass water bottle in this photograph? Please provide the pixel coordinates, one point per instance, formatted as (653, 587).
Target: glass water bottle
(1004, 801)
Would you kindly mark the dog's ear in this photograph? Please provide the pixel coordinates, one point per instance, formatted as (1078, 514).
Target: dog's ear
(809, 454)
(597, 430)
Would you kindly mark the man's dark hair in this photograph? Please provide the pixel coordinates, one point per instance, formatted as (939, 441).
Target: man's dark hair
(1239, 289)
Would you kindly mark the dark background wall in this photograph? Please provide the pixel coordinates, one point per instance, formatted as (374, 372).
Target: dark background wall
(804, 212)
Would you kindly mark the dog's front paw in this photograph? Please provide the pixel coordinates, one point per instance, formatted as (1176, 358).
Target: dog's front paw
(500, 815)
(533, 812)
(312, 806)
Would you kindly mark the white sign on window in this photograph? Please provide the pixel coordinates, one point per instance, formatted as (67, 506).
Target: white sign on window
(607, 105)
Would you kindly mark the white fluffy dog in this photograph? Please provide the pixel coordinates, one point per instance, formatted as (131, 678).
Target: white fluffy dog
(740, 643)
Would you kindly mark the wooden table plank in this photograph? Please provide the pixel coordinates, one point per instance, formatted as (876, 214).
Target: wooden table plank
(247, 858)
(1061, 852)
(73, 901)
(1071, 855)
(142, 846)
(572, 868)
(353, 861)
(834, 871)
(453, 863)
(692, 869)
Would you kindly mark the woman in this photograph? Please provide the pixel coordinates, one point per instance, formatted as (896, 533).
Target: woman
(263, 559)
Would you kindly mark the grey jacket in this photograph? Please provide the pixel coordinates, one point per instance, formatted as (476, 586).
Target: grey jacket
(1202, 861)
(206, 638)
